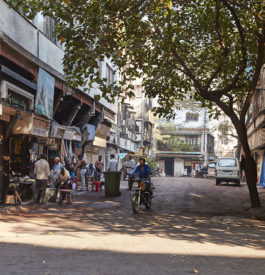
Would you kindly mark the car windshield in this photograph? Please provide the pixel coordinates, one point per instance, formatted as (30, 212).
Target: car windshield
(227, 162)
(211, 165)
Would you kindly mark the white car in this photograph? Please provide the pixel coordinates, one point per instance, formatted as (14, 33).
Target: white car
(228, 170)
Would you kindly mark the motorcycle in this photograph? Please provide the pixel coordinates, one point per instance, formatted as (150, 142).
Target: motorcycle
(140, 195)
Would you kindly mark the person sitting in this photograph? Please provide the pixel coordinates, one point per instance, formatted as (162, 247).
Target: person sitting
(143, 170)
(62, 179)
(91, 172)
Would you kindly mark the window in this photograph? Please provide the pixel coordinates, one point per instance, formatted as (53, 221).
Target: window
(109, 75)
(49, 28)
(192, 116)
(227, 163)
(138, 90)
(224, 141)
(193, 140)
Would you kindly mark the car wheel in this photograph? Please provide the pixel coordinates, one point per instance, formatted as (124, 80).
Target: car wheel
(205, 175)
(217, 181)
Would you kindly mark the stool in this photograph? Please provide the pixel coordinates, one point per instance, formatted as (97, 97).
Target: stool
(98, 185)
(68, 196)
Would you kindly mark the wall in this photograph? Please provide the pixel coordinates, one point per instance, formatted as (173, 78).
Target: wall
(18, 28)
(32, 39)
(178, 167)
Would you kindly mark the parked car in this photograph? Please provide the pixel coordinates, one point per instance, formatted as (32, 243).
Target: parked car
(228, 170)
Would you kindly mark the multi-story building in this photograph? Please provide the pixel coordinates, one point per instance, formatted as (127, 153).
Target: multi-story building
(39, 113)
(184, 142)
(143, 120)
(256, 126)
(226, 140)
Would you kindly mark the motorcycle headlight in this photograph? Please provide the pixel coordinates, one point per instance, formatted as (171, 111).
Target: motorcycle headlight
(135, 185)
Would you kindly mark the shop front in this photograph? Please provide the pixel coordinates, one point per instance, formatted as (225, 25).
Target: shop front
(64, 142)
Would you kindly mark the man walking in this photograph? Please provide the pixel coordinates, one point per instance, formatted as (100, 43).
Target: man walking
(42, 172)
(113, 163)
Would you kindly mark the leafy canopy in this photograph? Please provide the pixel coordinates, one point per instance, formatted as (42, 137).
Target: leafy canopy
(175, 46)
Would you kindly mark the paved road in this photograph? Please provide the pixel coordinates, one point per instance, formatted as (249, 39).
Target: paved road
(194, 227)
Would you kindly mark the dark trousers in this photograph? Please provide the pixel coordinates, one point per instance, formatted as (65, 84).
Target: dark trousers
(40, 191)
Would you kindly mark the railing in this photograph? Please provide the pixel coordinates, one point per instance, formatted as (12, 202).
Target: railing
(182, 147)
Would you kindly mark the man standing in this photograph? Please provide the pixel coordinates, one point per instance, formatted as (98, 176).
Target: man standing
(113, 164)
(42, 172)
(130, 166)
(99, 164)
(56, 170)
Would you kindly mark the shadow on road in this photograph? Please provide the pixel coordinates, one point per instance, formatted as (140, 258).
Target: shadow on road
(31, 260)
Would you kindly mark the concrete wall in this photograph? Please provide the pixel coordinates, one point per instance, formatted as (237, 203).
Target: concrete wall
(50, 53)
(18, 28)
(31, 38)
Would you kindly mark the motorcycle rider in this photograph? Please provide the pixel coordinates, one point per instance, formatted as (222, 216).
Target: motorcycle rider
(144, 172)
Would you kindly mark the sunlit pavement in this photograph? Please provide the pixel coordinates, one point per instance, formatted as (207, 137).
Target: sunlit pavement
(194, 227)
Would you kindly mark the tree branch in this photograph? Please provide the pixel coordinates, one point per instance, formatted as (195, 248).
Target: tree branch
(259, 63)
(242, 67)
(187, 70)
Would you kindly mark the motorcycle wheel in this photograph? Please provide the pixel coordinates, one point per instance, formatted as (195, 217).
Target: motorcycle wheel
(149, 202)
(135, 206)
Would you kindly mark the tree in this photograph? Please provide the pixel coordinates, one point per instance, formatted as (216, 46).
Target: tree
(214, 46)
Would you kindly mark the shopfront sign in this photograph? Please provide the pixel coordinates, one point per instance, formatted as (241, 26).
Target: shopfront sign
(18, 101)
(16, 97)
(45, 94)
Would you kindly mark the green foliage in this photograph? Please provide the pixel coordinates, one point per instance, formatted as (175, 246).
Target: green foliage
(175, 46)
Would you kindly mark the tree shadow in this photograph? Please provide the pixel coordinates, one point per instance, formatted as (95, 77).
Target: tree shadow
(31, 260)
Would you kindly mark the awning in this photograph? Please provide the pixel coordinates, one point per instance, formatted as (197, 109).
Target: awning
(32, 125)
(65, 132)
(100, 142)
(102, 131)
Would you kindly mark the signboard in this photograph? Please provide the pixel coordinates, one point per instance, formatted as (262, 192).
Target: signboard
(45, 94)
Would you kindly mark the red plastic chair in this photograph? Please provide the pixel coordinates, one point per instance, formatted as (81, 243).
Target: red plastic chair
(98, 185)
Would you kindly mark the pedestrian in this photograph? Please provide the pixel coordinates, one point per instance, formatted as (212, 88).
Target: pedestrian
(42, 172)
(113, 163)
(130, 166)
(99, 164)
(56, 170)
(83, 174)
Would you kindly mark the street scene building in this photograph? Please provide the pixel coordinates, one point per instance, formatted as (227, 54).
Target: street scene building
(184, 142)
(132, 137)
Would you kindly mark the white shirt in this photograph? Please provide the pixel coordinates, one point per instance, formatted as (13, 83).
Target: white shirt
(131, 165)
(42, 170)
(113, 165)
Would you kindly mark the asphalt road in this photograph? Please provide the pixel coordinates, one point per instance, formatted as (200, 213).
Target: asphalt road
(194, 227)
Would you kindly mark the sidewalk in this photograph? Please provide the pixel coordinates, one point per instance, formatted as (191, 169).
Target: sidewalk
(82, 200)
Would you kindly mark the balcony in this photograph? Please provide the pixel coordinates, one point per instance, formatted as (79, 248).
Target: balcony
(179, 147)
(32, 40)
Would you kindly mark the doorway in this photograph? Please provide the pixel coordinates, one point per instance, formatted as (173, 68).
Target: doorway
(169, 167)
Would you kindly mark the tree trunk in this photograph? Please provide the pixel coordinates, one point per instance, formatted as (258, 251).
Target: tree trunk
(250, 167)
(251, 177)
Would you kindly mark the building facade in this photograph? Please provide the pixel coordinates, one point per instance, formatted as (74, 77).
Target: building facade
(256, 127)
(182, 143)
(39, 113)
